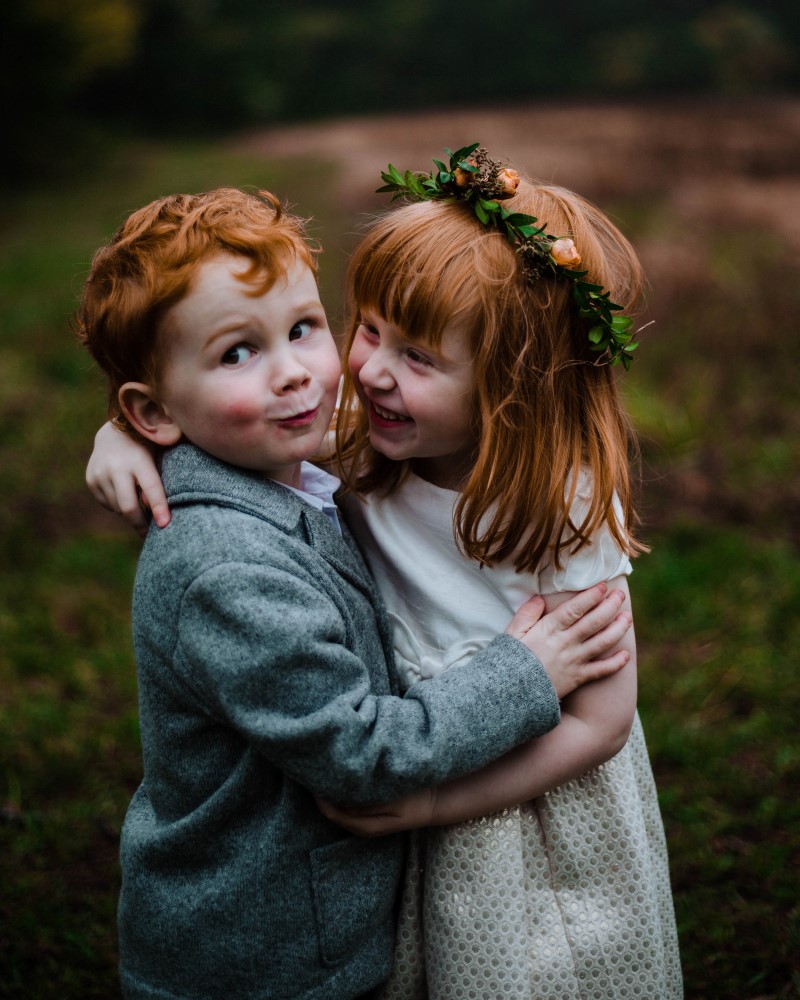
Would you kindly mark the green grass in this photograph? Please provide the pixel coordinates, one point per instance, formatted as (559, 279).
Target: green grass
(715, 399)
(719, 633)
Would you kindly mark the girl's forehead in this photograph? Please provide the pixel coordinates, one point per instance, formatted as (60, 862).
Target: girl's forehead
(451, 340)
(420, 317)
(407, 323)
(455, 345)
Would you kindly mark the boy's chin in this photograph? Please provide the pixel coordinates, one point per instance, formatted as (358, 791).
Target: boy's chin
(282, 467)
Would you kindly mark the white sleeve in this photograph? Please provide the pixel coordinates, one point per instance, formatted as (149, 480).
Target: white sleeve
(601, 559)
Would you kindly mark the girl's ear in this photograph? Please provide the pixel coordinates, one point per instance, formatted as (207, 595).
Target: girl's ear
(148, 415)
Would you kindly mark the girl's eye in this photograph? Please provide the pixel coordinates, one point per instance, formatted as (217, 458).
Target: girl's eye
(237, 355)
(301, 330)
(369, 330)
(418, 359)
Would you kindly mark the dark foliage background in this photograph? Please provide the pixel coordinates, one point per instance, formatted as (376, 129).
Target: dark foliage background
(180, 66)
(682, 121)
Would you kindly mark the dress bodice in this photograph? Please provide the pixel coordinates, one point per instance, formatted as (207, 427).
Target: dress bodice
(443, 607)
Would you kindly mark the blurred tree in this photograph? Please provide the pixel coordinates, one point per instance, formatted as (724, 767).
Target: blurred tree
(209, 63)
(50, 52)
(215, 65)
(198, 64)
(744, 47)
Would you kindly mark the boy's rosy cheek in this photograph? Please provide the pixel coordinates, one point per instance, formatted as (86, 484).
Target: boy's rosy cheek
(241, 411)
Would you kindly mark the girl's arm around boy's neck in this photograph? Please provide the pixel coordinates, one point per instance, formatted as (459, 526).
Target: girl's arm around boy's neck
(123, 477)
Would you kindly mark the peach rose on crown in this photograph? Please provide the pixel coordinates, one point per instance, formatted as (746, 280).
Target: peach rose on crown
(473, 177)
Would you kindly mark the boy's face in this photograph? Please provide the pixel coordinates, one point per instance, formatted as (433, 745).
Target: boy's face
(251, 379)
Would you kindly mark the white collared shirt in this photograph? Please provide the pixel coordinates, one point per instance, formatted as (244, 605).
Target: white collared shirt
(317, 489)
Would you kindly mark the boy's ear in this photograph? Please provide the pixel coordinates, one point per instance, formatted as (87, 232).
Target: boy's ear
(148, 415)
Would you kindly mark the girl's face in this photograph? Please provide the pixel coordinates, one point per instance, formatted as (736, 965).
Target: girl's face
(419, 400)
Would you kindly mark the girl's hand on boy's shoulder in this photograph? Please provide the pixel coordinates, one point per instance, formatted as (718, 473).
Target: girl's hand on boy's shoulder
(410, 813)
(575, 643)
(122, 476)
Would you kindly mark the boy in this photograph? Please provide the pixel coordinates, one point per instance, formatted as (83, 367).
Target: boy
(262, 648)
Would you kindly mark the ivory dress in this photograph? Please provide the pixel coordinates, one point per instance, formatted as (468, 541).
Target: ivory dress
(566, 897)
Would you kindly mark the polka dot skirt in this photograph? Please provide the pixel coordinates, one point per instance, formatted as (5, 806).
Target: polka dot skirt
(563, 898)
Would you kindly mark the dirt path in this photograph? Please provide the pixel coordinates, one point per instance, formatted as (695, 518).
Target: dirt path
(696, 182)
(706, 156)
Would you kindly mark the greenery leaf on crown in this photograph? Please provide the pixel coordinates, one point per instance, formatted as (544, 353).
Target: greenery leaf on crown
(473, 177)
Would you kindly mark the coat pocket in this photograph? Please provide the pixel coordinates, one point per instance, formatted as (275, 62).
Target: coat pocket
(355, 885)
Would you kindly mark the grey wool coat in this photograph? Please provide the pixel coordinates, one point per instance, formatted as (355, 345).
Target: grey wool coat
(264, 666)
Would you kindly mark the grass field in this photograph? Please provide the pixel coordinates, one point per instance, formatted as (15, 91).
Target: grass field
(712, 198)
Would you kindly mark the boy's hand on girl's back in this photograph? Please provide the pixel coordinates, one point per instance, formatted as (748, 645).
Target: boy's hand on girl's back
(574, 641)
(122, 477)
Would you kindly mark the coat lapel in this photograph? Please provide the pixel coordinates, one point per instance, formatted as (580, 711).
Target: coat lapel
(192, 476)
(340, 551)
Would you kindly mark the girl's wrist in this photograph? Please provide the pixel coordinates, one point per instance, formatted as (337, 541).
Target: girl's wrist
(436, 797)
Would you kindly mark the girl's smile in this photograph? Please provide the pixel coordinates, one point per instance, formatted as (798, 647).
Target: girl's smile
(419, 399)
(380, 414)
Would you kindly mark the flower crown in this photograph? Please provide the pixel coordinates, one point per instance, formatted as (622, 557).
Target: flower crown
(482, 183)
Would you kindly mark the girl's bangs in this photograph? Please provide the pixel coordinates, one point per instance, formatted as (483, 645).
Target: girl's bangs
(416, 273)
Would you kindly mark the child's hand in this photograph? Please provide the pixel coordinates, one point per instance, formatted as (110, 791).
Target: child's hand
(122, 477)
(411, 813)
(573, 641)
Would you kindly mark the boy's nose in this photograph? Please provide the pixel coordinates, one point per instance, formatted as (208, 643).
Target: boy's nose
(289, 374)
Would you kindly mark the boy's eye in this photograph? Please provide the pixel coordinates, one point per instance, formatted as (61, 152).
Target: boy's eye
(301, 330)
(237, 355)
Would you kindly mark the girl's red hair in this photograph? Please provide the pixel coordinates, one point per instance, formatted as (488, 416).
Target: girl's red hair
(543, 408)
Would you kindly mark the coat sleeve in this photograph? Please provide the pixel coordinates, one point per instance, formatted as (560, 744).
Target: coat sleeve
(265, 653)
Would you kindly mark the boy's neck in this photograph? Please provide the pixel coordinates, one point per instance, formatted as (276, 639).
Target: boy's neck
(291, 476)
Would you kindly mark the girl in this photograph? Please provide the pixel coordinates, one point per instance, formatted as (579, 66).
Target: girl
(490, 443)
(482, 435)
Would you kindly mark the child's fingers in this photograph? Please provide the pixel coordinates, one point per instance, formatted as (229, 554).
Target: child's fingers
(370, 821)
(346, 822)
(336, 815)
(328, 809)
(597, 618)
(332, 811)
(577, 607)
(527, 616)
(125, 499)
(607, 638)
(154, 497)
(98, 492)
(598, 669)
(101, 486)
(132, 511)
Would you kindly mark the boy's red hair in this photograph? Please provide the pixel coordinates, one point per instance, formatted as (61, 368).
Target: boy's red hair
(150, 264)
(543, 409)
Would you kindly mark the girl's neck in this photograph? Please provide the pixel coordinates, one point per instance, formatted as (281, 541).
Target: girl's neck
(448, 472)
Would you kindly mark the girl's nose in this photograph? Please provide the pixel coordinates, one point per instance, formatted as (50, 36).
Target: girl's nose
(376, 373)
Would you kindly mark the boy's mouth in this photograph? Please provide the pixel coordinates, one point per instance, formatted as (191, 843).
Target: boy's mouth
(299, 419)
